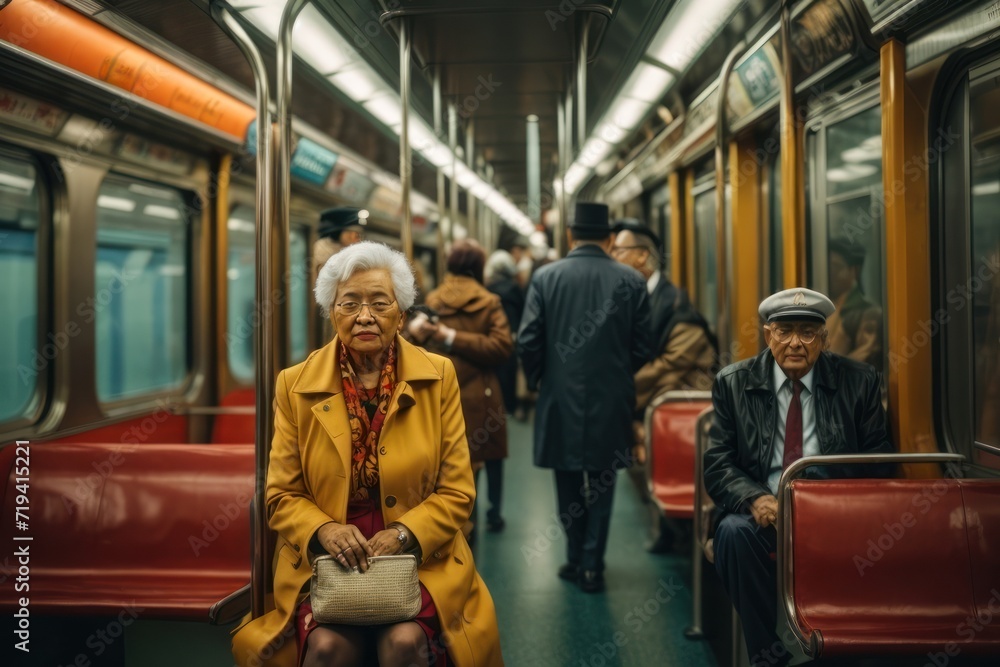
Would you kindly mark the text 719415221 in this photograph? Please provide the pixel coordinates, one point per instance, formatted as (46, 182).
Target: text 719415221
(22, 481)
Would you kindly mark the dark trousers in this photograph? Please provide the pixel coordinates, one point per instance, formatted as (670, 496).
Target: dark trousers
(584, 500)
(494, 489)
(743, 558)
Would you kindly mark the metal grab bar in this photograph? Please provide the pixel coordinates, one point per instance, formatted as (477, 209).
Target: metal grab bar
(212, 410)
(695, 630)
(812, 644)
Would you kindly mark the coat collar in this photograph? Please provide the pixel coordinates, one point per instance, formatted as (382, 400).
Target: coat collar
(762, 367)
(588, 251)
(321, 371)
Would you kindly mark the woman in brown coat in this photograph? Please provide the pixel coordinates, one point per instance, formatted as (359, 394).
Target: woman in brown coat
(473, 332)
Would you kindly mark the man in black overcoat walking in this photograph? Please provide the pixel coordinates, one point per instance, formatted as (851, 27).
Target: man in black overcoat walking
(585, 331)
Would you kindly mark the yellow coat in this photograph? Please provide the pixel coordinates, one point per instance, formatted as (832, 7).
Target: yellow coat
(426, 484)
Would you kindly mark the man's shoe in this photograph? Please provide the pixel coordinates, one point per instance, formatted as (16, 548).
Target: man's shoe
(495, 525)
(569, 572)
(591, 581)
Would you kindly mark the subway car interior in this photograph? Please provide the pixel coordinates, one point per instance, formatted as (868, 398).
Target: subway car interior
(164, 167)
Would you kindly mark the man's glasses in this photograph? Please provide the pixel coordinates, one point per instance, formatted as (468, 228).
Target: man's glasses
(783, 334)
(354, 307)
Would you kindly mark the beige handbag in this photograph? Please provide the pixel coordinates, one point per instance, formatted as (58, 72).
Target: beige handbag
(389, 592)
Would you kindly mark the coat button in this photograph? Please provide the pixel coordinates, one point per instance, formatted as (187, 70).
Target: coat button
(437, 554)
(296, 547)
(489, 392)
(382, 451)
(326, 408)
(390, 501)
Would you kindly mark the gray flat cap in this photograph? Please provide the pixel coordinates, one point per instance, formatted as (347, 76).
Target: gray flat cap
(797, 303)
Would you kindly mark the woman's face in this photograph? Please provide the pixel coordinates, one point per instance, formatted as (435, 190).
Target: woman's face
(367, 331)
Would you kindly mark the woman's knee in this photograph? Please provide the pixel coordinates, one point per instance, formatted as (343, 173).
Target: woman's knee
(402, 641)
(326, 646)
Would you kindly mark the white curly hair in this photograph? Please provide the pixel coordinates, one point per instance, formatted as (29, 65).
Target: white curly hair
(365, 256)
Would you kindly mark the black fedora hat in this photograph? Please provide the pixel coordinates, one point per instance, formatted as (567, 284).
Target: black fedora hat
(333, 221)
(591, 221)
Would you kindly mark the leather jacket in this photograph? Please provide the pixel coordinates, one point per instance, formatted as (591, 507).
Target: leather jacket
(850, 419)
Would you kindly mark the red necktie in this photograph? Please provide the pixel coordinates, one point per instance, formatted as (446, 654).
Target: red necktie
(793, 427)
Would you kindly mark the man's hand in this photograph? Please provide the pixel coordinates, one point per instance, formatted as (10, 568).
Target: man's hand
(765, 510)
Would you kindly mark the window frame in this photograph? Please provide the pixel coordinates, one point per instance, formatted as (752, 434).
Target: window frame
(951, 184)
(44, 383)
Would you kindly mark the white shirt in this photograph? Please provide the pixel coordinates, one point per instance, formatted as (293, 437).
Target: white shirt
(653, 281)
(810, 442)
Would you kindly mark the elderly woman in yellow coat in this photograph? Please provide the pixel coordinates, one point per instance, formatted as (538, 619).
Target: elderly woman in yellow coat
(369, 458)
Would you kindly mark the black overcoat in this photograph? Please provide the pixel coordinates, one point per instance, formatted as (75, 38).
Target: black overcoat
(585, 331)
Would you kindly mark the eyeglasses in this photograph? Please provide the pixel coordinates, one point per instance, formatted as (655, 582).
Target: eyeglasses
(354, 307)
(783, 334)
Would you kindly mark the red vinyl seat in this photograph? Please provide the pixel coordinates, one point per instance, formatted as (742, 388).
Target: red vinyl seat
(884, 568)
(671, 444)
(163, 529)
(235, 429)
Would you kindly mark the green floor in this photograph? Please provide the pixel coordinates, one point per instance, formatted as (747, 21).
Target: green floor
(543, 620)
(546, 621)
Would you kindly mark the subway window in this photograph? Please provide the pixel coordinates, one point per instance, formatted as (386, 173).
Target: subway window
(241, 292)
(141, 299)
(241, 281)
(984, 255)
(20, 205)
(706, 271)
(298, 294)
(847, 233)
(775, 234)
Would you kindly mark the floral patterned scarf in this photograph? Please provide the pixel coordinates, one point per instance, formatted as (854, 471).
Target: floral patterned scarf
(365, 432)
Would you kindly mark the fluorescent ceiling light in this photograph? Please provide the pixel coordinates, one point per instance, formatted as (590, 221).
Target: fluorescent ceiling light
(611, 133)
(861, 154)
(158, 211)
(387, 110)
(150, 191)
(116, 203)
(240, 225)
(647, 83)
(628, 113)
(357, 83)
(318, 43)
(689, 28)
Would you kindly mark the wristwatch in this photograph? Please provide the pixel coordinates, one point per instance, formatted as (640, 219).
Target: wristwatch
(403, 537)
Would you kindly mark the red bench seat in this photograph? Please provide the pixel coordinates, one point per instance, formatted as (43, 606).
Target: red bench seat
(896, 567)
(670, 438)
(164, 529)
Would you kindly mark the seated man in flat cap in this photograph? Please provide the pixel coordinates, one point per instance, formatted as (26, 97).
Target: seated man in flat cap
(794, 399)
(338, 228)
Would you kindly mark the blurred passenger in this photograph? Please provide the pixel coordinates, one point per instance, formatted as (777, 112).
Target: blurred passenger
(501, 279)
(856, 327)
(686, 353)
(584, 333)
(473, 332)
(794, 399)
(370, 403)
(338, 228)
(520, 250)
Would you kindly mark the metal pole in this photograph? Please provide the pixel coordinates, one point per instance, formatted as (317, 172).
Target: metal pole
(405, 165)
(453, 147)
(260, 566)
(581, 84)
(438, 132)
(534, 170)
(470, 160)
(723, 266)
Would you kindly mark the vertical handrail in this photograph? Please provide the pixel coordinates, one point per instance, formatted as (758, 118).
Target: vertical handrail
(405, 156)
(260, 565)
(453, 146)
(723, 273)
(439, 132)
(696, 629)
(581, 82)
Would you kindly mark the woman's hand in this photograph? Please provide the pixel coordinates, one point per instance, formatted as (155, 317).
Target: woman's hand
(386, 543)
(346, 544)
